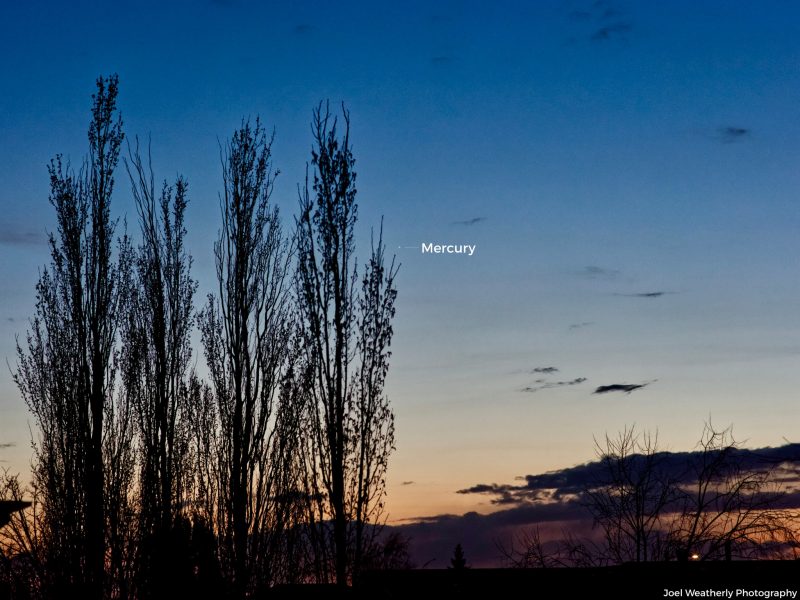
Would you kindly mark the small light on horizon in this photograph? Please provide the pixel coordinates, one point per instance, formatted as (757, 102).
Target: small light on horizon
(695, 557)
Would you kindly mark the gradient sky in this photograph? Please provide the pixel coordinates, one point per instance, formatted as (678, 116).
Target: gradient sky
(600, 150)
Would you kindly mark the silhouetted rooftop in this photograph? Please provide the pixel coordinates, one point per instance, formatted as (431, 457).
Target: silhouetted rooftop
(7, 507)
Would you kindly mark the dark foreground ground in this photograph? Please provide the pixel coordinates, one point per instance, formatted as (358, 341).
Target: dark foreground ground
(734, 580)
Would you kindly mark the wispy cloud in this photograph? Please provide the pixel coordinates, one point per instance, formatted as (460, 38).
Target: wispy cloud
(598, 11)
(603, 19)
(11, 235)
(545, 384)
(472, 221)
(599, 273)
(613, 30)
(541, 384)
(730, 134)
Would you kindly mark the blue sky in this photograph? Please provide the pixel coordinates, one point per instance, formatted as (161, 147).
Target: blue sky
(608, 148)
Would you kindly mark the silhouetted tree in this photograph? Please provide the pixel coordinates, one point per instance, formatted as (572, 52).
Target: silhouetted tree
(286, 542)
(66, 372)
(526, 550)
(157, 353)
(715, 503)
(628, 501)
(245, 332)
(391, 552)
(346, 333)
(149, 482)
(458, 562)
(729, 507)
(203, 473)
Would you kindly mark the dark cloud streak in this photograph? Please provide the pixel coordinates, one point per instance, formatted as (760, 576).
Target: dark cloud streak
(731, 134)
(646, 294)
(619, 387)
(468, 222)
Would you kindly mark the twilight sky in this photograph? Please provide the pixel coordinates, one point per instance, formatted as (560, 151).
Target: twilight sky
(628, 171)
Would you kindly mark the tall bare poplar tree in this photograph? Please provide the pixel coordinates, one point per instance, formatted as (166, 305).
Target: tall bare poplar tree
(346, 334)
(245, 332)
(156, 369)
(66, 372)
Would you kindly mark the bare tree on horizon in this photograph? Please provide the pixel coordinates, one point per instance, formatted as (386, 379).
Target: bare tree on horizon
(629, 502)
(731, 509)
